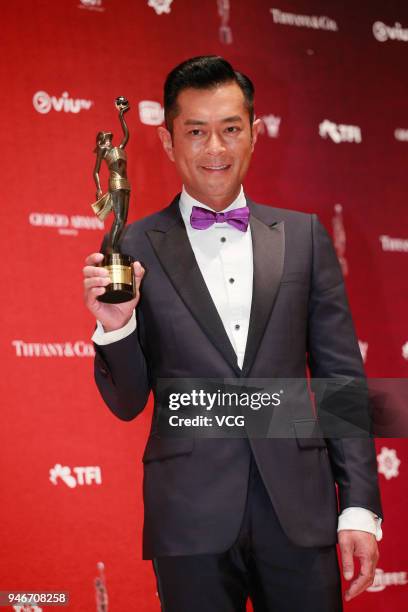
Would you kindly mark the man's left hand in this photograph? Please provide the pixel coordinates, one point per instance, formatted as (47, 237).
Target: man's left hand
(362, 545)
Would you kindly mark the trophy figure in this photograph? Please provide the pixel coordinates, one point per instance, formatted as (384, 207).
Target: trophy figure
(101, 592)
(122, 287)
(225, 33)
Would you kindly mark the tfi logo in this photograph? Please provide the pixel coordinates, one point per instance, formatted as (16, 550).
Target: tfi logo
(44, 103)
(151, 112)
(81, 476)
(340, 132)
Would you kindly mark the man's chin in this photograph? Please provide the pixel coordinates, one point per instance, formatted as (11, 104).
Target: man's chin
(215, 194)
(218, 184)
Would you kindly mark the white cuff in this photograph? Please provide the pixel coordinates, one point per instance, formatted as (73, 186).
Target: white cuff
(360, 519)
(101, 337)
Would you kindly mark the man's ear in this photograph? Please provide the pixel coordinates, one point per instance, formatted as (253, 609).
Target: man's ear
(167, 141)
(256, 128)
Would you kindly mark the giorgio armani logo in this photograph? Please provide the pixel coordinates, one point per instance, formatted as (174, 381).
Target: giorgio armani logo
(64, 224)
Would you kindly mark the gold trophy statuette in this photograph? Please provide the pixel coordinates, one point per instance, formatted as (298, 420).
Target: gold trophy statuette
(122, 287)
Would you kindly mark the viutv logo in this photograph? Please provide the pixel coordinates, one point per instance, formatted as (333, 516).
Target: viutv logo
(160, 6)
(91, 5)
(388, 463)
(53, 349)
(383, 32)
(383, 579)
(151, 112)
(315, 22)
(82, 476)
(270, 124)
(66, 225)
(339, 132)
(44, 103)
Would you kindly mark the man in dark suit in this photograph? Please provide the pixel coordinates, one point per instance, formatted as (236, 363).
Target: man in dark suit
(236, 290)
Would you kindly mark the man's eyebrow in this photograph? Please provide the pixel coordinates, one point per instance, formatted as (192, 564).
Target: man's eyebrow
(231, 119)
(194, 122)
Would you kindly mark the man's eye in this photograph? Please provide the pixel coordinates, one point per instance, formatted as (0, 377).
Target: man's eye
(232, 128)
(195, 132)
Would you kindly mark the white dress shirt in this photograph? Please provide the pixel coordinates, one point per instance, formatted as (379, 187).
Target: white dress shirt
(224, 256)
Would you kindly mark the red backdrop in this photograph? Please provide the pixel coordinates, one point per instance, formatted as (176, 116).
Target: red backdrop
(332, 91)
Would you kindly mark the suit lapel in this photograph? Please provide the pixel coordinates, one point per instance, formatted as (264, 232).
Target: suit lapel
(172, 247)
(268, 246)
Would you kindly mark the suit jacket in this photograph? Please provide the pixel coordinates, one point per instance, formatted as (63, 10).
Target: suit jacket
(195, 489)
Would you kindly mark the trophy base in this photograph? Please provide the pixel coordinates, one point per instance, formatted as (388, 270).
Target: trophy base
(123, 286)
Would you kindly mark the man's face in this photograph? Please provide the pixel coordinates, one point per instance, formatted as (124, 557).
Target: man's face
(212, 143)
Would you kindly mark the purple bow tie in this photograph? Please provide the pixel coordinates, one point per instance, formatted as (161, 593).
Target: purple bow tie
(201, 218)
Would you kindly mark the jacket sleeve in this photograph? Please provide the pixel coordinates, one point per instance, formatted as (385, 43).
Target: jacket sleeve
(121, 375)
(333, 352)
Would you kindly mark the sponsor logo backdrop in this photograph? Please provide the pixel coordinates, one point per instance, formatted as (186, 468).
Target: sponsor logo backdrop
(332, 93)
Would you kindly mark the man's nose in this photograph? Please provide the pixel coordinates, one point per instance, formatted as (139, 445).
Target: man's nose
(215, 145)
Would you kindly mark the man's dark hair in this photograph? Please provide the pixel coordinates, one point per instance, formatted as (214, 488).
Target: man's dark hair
(203, 72)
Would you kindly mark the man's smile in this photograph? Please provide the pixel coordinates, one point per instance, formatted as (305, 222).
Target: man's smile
(216, 167)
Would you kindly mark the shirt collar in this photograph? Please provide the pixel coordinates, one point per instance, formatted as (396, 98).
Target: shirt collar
(187, 202)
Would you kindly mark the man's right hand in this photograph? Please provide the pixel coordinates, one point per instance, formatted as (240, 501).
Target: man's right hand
(96, 278)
